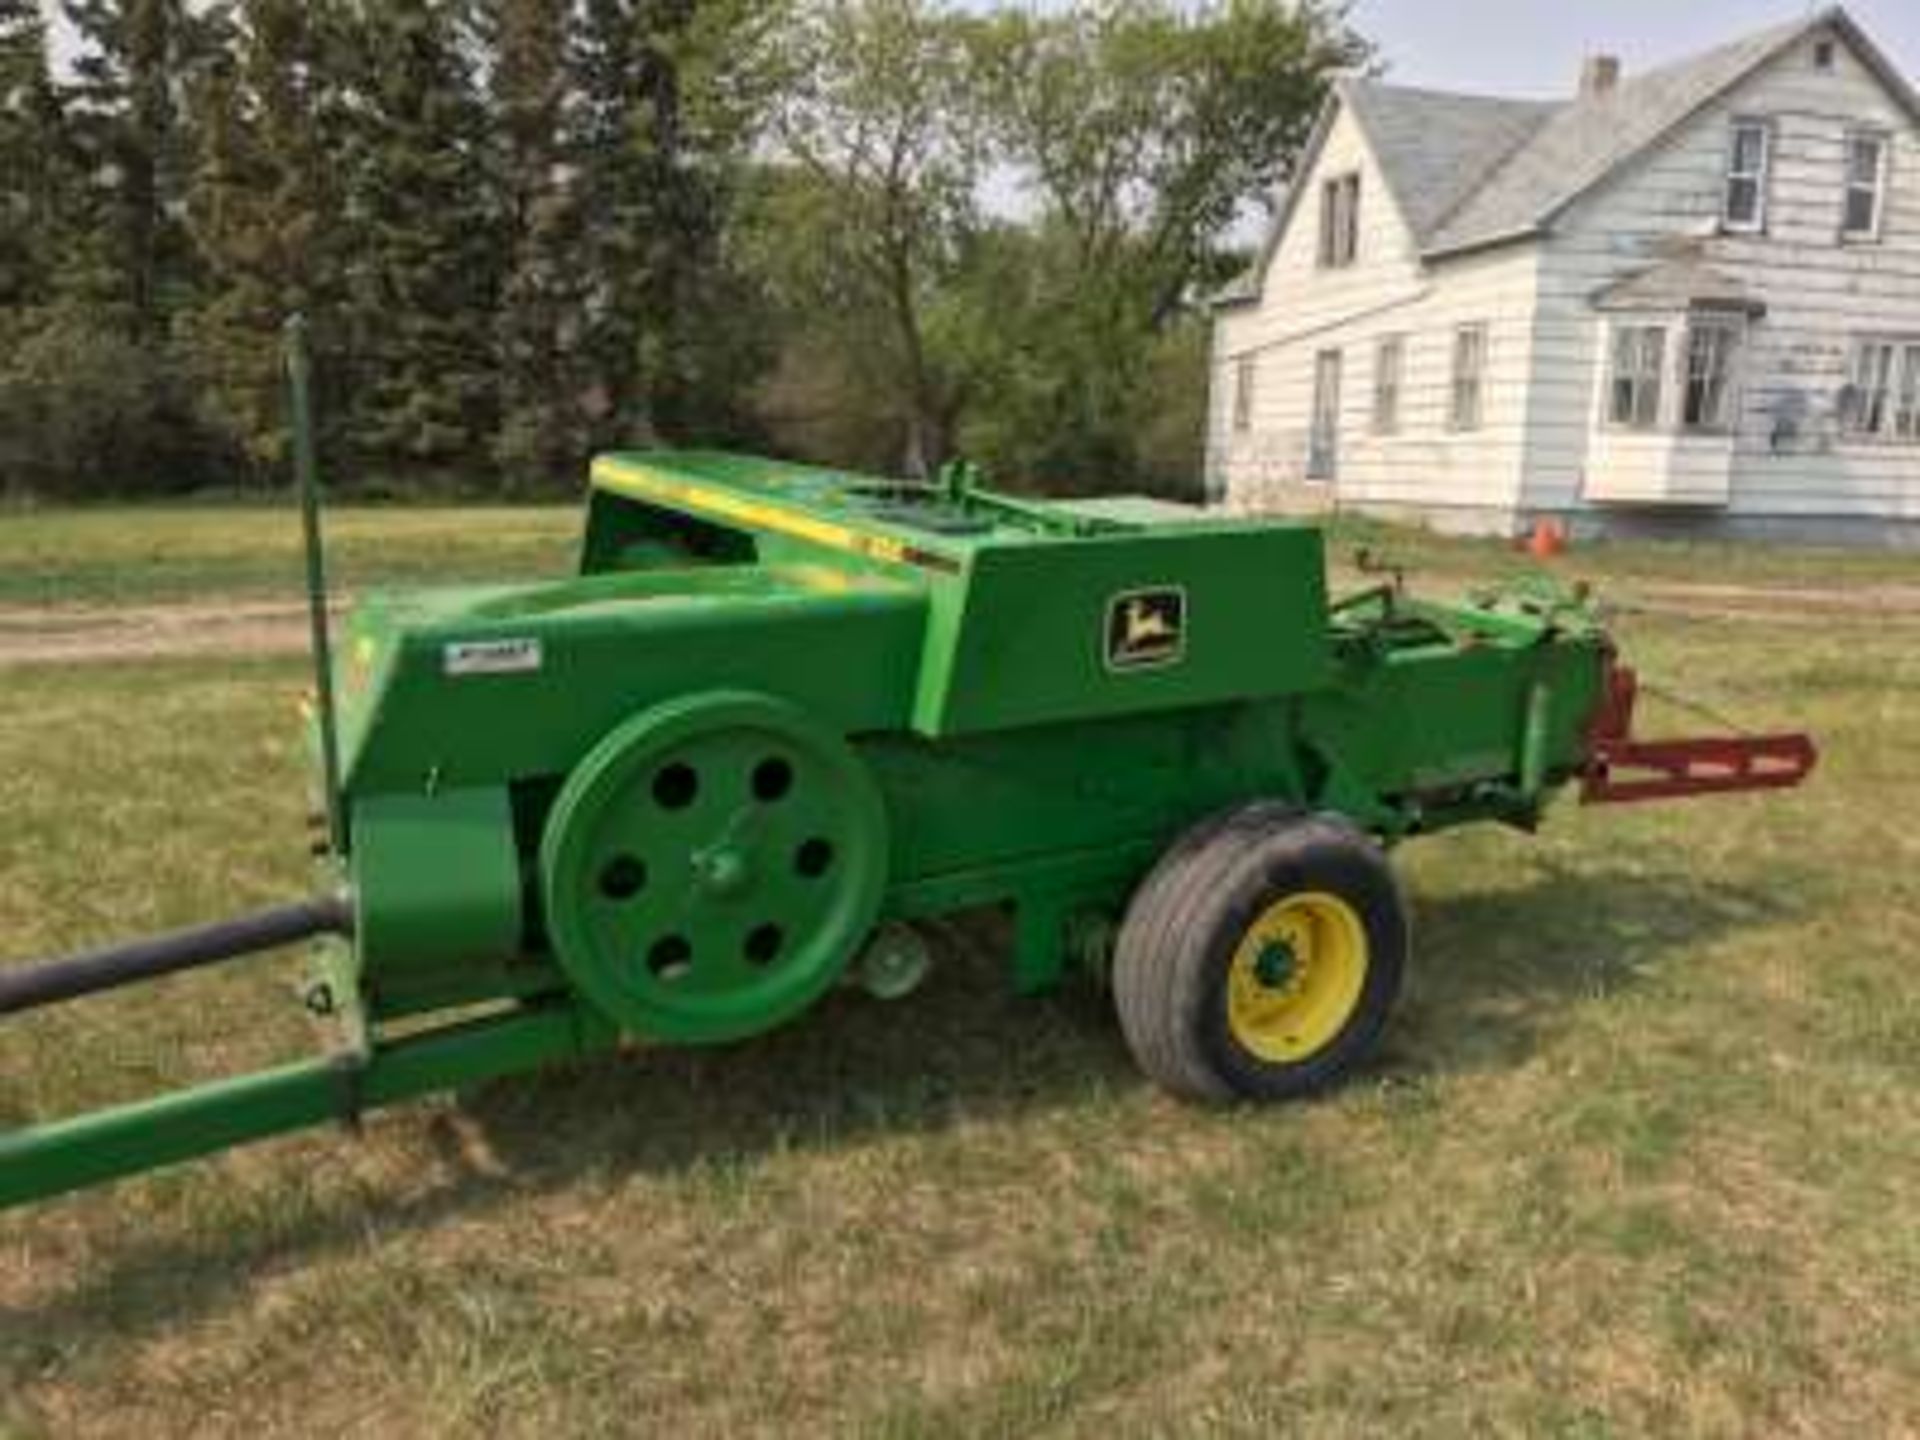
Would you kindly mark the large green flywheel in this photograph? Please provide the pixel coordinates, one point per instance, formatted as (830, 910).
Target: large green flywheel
(711, 866)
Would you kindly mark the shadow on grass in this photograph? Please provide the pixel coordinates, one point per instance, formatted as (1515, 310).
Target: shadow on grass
(1496, 970)
(1495, 973)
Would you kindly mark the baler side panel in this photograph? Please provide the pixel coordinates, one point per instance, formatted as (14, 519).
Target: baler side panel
(1416, 732)
(984, 802)
(439, 900)
(846, 651)
(1025, 641)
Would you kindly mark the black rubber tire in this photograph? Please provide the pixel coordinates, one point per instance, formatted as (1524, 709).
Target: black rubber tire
(1187, 919)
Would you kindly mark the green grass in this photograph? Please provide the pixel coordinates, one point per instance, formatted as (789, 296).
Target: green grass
(1717, 562)
(1640, 1155)
(151, 554)
(134, 554)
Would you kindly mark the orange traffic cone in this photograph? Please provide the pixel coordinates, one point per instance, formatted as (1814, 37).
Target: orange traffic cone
(1548, 539)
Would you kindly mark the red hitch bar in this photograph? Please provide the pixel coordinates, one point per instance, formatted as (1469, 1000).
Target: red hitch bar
(1621, 769)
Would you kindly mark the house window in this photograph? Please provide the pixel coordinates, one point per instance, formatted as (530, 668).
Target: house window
(1712, 350)
(1389, 359)
(1882, 402)
(1747, 161)
(1906, 403)
(1823, 55)
(1469, 376)
(1866, 407)
(1866, 184)
(1633, 391)
(1340, 220)
(1323, 441)
(1243, 376)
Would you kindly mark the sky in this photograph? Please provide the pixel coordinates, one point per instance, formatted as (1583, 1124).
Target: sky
(1533, 48)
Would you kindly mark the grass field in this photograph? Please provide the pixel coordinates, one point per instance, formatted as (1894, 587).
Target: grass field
(1640, 1156)
(133, 555)
(122, 555)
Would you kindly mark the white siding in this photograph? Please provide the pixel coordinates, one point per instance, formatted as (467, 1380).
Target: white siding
(1819, 295)
(1543, 446)
(1305, 309)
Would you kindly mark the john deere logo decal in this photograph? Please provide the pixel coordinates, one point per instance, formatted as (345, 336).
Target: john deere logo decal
(1146, 628)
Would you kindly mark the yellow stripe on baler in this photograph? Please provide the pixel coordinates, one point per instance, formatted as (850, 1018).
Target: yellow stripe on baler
(641, 483)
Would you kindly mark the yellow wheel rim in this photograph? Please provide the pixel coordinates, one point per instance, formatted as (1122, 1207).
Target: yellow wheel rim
(1297, 977)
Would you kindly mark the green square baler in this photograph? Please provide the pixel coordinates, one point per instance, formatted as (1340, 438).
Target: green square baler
(784, 713)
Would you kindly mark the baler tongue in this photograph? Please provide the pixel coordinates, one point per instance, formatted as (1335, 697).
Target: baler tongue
(29, 987)
(1622, 769)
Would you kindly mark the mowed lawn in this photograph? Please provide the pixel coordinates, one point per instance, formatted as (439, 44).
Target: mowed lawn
(1641, 1155)
(115, 555)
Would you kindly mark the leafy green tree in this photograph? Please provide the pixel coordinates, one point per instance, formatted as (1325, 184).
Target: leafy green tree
(1146, 127)
(831, 393)
(87, 411)
(877, 112)
(1142, 131)
(529, 228)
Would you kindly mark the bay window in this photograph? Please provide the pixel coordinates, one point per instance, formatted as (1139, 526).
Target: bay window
(1707, 402)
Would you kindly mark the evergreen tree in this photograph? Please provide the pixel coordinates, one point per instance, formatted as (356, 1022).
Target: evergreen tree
(539, 438)
(616, 212)
(670, 92)
(136, 62)
(424, 236)
(710, 73)
(32, 140)
(264, 211)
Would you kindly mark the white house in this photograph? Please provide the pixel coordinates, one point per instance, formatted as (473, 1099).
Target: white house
(1687, 301)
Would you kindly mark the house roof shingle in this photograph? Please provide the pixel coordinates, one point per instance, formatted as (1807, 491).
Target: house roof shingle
(1583, 141)
(1435, 147)
(1468, 171)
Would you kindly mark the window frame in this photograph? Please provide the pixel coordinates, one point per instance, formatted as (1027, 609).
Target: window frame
(1318, 471)
(1339, 244)
(1245, 374)
(1645, 383)
(1895, 398)
(1905, 397)
(1760, 178)
(1466, 418)
(1732, 330)
(1388, 385)
(1882, 141)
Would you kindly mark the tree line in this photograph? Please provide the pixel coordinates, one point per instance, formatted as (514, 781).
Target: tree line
(865, 232)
